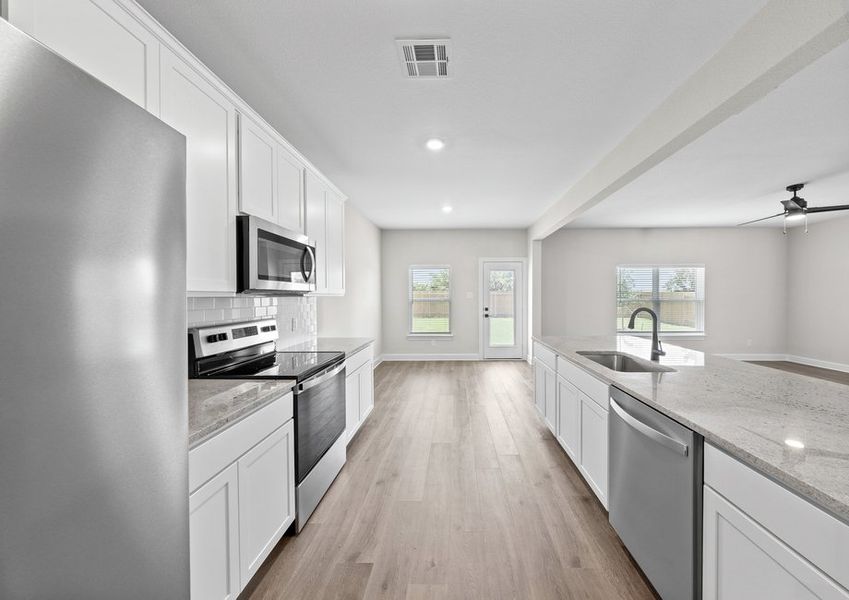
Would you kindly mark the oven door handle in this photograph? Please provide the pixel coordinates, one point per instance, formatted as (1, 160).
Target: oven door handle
(319, 379)
(652, 434)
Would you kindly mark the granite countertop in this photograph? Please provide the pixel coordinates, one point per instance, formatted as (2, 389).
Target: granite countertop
(215, 404)
(348, 345)
(747, 410)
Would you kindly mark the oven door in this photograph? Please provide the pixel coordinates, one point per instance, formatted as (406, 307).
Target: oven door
(319, 417)
(273, 260)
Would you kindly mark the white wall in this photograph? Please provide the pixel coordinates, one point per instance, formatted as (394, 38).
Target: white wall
(818, 292)
(745, 281)
(458, 248)
(358, 312)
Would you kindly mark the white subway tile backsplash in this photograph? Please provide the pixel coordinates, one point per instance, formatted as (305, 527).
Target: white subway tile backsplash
(296, 315)
(203, 303)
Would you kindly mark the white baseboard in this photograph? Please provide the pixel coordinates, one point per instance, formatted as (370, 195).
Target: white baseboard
(388, 357)
(754, 356)
(803, 360)
(815, 362)
(376, 362)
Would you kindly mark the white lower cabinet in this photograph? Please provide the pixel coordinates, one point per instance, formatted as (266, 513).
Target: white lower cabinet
(214, 538)
(574, 404)
(545, 393)
(569, 419)
(539, 386)
(359, 389)
(761, 540)
(744, 560)
(266, 497)
(593, 439)
(242, 499)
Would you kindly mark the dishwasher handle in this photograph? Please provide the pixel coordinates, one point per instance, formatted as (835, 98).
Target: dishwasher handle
(653, 434)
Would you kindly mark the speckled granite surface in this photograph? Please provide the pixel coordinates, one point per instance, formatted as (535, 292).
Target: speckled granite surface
(323, 344)
(745, 409)
(217, 403)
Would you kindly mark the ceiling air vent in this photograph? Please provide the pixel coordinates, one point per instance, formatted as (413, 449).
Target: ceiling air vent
(424, 59)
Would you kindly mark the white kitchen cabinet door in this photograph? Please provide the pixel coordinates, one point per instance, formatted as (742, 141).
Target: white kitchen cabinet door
(99, 37)
(266, 498)
(551, 400)
(539, 386)
(569, 419)
(366, 390)
(257, 170)
(315, 192)
(290, 190)
(741, 559)
(335, 243)
(593, 440)
(214, 538)
(352, 403)
(198, 110)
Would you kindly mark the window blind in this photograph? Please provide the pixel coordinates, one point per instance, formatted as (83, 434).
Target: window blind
(430, 300)
(675, 292)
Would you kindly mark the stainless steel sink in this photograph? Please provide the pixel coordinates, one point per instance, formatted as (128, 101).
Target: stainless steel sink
(619, 361)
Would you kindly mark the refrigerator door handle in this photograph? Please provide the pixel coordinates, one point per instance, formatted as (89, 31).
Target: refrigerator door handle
(653, 434)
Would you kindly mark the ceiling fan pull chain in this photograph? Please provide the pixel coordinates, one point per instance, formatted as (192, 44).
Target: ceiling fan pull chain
(806, 222)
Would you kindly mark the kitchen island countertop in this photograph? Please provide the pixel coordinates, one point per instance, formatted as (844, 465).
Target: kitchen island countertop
(747, 410)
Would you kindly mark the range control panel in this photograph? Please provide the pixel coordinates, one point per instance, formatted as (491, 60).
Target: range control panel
(232, 336)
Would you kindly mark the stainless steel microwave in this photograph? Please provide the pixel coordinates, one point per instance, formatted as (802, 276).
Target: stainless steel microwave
(272, 260)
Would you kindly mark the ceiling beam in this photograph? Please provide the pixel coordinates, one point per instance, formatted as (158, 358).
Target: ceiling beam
(778, 42)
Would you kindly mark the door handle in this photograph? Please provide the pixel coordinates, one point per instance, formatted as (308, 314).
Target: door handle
(653, 434)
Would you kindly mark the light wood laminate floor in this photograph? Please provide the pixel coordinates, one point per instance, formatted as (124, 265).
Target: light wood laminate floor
(792, 367)
(454, 488)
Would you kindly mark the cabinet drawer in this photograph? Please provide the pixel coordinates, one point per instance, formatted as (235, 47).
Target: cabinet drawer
(358, 359)
(597, 390)
(816, 535)
(545, 355)
(224, 448)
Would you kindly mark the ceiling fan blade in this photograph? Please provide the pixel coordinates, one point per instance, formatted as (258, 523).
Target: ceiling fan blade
(781, 214)
(828, 208)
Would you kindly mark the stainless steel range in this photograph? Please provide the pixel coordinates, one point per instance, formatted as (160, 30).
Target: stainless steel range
(248, 350)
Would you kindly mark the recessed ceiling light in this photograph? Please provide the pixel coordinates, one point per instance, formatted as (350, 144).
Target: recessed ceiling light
(435, 144)
(794, 443)
(447, 209)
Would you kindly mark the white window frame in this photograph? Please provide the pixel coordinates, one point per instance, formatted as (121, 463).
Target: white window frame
(428, 335)
(663, 334)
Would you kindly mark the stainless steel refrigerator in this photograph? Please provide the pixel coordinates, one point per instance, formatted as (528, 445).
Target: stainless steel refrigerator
(93, 413)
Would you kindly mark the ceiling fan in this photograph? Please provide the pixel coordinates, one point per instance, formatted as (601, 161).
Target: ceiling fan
(797, 209)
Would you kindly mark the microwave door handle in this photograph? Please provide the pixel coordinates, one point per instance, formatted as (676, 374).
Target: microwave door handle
(307, 250)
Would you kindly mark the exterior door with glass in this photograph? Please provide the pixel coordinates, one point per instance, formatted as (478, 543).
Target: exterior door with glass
(503, 309)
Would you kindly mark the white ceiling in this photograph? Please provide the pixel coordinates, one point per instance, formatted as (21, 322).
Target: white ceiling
(539, 91)
(738, 171)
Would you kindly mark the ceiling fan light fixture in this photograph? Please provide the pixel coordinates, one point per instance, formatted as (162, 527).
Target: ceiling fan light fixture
(794, 217)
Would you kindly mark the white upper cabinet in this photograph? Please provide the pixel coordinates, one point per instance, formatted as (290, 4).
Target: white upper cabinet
(232, 164)
(316, 225)
(257, 170)
(290, 190)
(325, 226)
(335, 243)
(100, 37)
(198, 110)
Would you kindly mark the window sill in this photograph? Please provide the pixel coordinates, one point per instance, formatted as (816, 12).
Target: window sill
(696, 335)
(429, 336)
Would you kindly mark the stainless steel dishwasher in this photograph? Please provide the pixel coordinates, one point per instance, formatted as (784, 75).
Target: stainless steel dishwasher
(655, 489)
